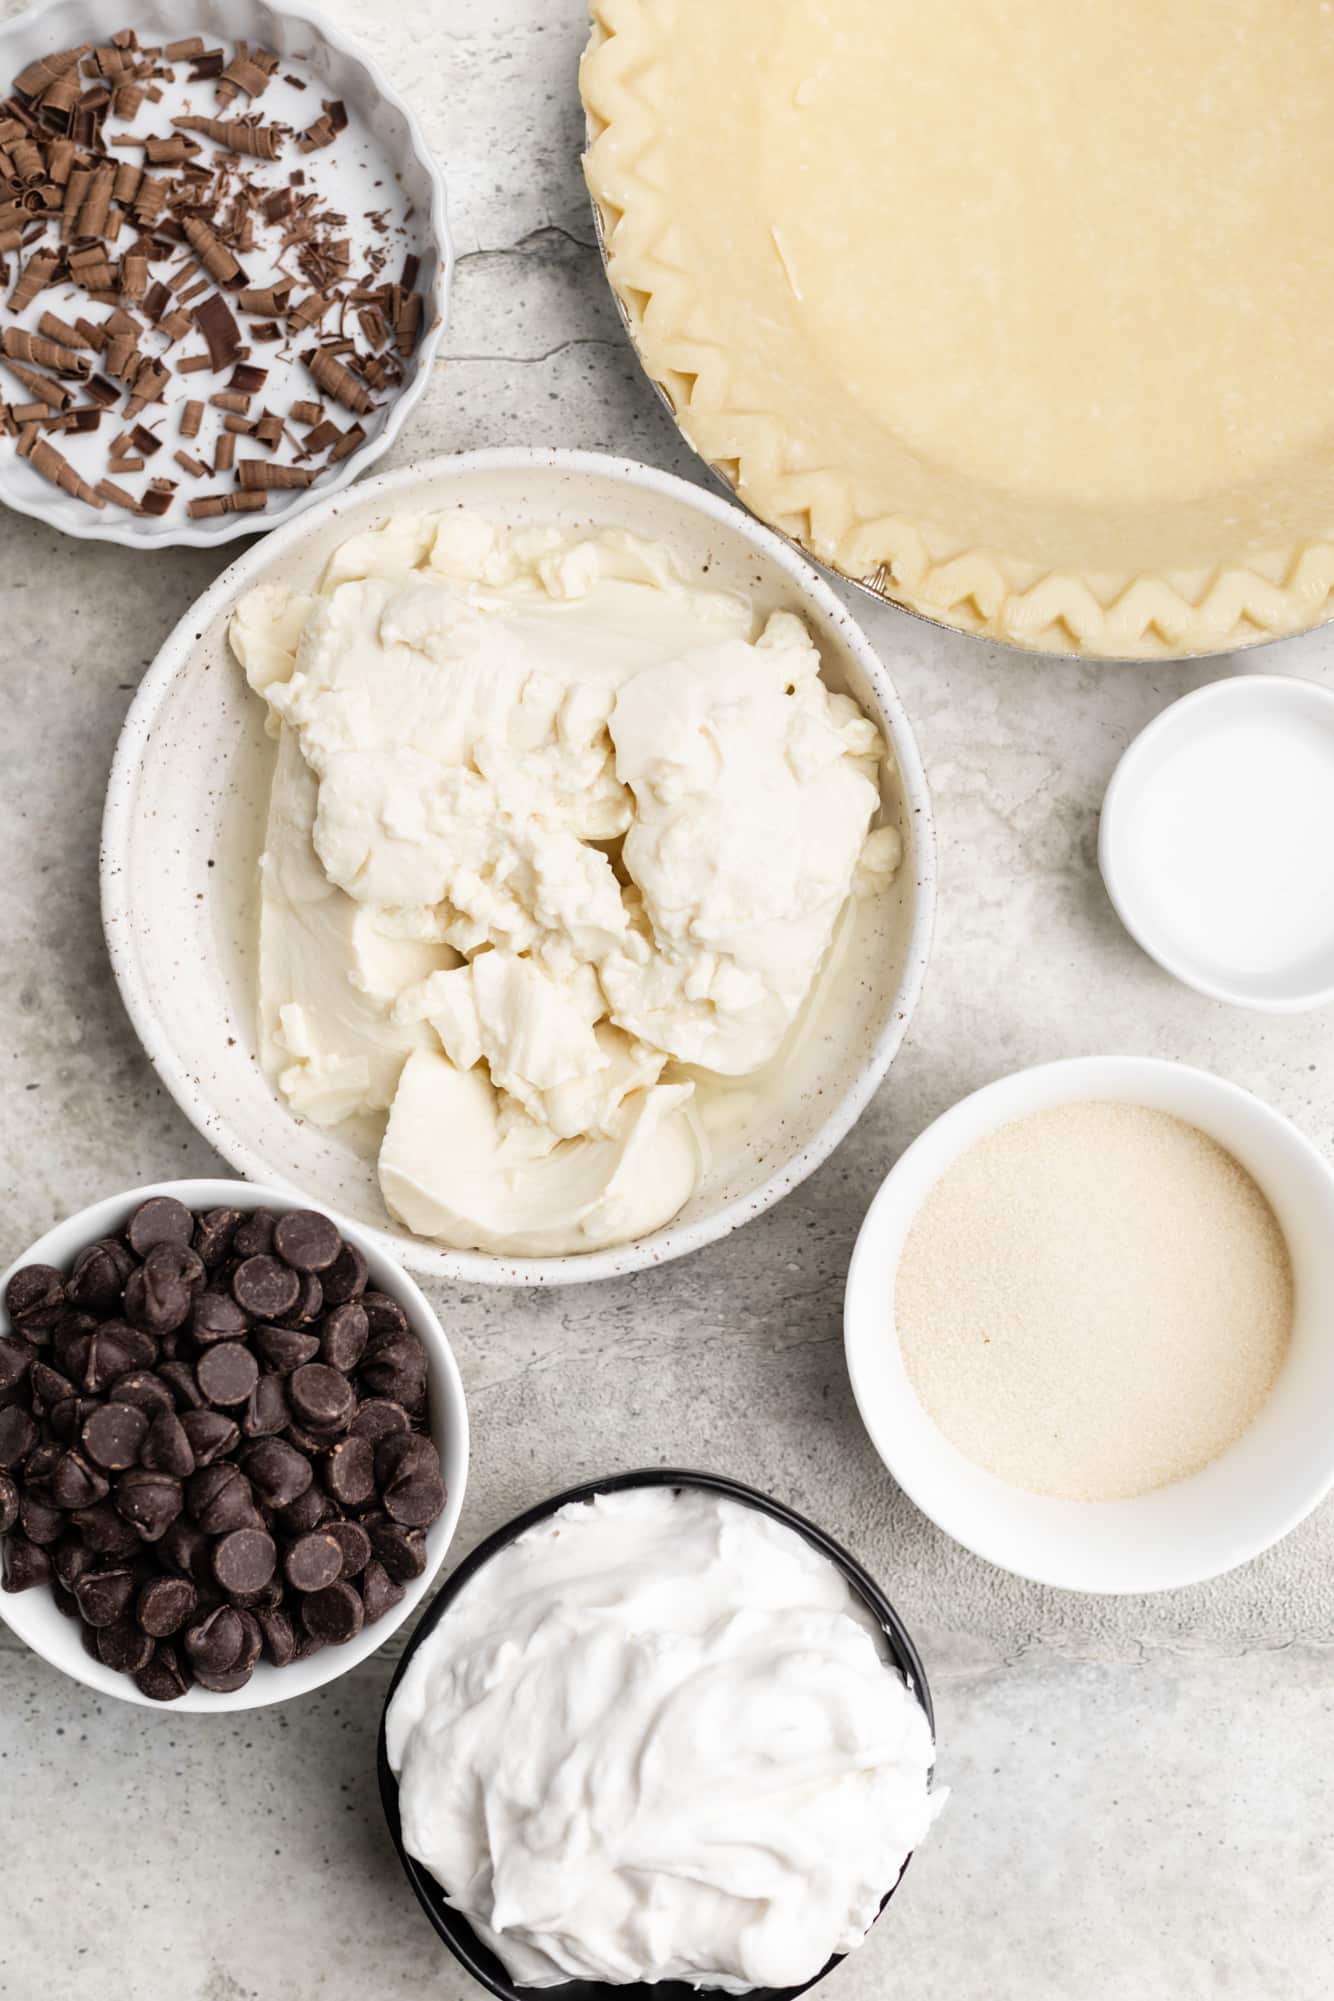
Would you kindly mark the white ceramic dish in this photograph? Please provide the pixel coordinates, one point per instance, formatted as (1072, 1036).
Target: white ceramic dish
(33, 1615)
(343, 70)
(1258, 1490)
(185, 820)
(1217, 842)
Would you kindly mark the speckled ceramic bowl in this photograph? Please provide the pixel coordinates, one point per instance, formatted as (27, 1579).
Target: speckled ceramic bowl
(184, 828)
(34, 1616)
(393, 144)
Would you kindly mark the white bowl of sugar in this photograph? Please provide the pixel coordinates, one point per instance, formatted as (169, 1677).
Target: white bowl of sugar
(1090, 1324)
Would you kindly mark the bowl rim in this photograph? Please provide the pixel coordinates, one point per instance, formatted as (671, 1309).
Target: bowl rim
(94, 1220)
(120, 529)
(1272, 692)
(1079, 1078)
(422, 1255)
(451, 1926)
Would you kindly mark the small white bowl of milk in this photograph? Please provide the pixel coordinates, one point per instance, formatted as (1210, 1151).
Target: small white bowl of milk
(1217, 842)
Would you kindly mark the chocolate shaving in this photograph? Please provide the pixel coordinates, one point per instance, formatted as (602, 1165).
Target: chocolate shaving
(347, 444)
(214, 321)
(38, 385)
(210, 505)
(195, 467)
(192, 418)
(248, 378)
(117, 495)
(39, 272)
(264, 298)
(321, 437)
(224, 452)
(46, 460)
(337, 381)
(262, 476)
(213, 254)
(22, 346)
(238, 135)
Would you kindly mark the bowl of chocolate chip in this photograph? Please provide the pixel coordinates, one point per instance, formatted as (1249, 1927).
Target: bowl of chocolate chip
(233, 1446)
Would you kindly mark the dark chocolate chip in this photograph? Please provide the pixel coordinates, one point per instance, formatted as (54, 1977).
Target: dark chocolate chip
(244, 1561)
(49, 1385)
(104, 1595)
(279, 1636)
(279, 1472)
(23, 1563)
(216, 1316)
(167, 1448)
(211, 1434)
(343, 1337)
(227, 1373)
(15, 1362)
(40, 1519)
(313, 1561)
(159, 1220)
(320, 1396)
(354, 1543)
(164, 1679)
(349, 1471)
(395, 1368)
(114, 1434)
(214, 1232)
(97, 1282)
(145, 1389)
(335, 1614)
(151, 1501)
(214, 1642)
(253, 1644)
(165, 1604)
(9, 1504)
(379, 1418)
(401, 1550)
(187, 1550)
(69, 1341)
(179, 1376)
(306, 1240)
(385, 1315)
(18, 1435)
(34, 1294)
(254, 1234)
(285, 1348)
(307, 1511)
(408, 1471)
(106, 1357)
(266, 1412)
(104, 1530)
(124, 1645)
(379, 1591)
(309, 1305)
(228, 1680)
(313, 1443)
(160, 1294)
(266, 1288)
(77, 1484)
(220, 1498)
(263, 1600)
(40, 1465)
(346, 1277)
(72, 1559)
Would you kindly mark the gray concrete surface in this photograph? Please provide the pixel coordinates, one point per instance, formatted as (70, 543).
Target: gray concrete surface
(1141, 1805)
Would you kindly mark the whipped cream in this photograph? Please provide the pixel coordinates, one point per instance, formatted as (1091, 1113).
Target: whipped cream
(657, 1738)
(548, 825)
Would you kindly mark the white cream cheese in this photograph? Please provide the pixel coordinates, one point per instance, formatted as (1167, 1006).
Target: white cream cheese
(656, 1738)
(544, 812)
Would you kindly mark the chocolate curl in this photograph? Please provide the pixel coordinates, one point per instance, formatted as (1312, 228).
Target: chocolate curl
(95, 335)
(126, 184)
(190, 364)
(321, 133)
(209, 506)
(195, 467)
(97, 202)
(310, 312)
(224, 452)
(185, 50)
(265, 299)
(46, 460)
(175, 325)
(192, 417)
(19, 345)
(220, 331)
(406, 308)
(40, 75)
(38, 273)
(76, 187)
(242, 426)
(158, 497)
(173, 152)
(213, 254)
(41, 386)
(261, 476)
(229, 399)
(259, 142)
(122, 357)
(117, 495)
(57, 330)
(91, 267)
(127, 101)
(150, 198)
(306, 413)
(248, 74)
(134, 274)
(119, 464)
(337, 381)
(269, 429)
(150, 385)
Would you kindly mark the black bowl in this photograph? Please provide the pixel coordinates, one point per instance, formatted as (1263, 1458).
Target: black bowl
(453, 1928)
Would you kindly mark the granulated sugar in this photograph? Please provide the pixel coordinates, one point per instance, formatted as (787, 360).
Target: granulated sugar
(1094, 1301)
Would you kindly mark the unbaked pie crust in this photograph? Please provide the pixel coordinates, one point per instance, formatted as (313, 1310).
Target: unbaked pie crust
(1021, 311)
